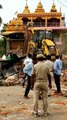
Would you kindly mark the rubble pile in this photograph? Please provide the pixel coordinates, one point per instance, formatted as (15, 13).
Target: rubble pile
(11, 80)
(10, 77)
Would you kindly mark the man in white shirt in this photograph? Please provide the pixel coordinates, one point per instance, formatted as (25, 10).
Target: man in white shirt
(27, 70)
(27, 59)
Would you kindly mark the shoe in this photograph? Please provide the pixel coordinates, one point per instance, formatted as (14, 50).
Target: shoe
(45, 114)
(40, 97)
(49, 95)
(26, 97)
(58, 93)
(35, 114)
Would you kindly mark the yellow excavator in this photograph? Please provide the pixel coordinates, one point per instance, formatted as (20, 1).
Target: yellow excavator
(43, 42)
(49, 47)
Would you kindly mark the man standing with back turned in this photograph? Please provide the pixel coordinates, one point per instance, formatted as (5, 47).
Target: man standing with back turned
(57, 73)
(40, 75)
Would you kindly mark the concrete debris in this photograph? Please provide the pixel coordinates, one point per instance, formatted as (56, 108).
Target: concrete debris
(11, 80)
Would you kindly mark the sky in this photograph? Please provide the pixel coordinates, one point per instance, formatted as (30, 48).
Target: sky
(10, 7)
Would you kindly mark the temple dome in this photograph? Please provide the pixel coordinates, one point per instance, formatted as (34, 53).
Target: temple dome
(53, 8)
(39, 8)
(26, 10)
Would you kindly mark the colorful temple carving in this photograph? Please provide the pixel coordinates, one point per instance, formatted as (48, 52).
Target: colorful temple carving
(41, 19)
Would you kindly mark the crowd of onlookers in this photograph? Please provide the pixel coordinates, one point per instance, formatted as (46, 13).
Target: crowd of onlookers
(38, 71)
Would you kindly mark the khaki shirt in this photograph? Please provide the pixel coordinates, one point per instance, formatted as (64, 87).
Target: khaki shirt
(41, 70)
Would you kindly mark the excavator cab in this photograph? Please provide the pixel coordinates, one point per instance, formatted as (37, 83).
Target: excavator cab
(43, 42)
(44, 39)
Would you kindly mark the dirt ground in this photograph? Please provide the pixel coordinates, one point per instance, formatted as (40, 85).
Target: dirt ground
(13, 106)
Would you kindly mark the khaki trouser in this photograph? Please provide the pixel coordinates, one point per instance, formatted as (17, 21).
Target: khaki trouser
(40, 86)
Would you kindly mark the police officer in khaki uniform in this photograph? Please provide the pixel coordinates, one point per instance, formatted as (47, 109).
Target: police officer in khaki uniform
(40, 75)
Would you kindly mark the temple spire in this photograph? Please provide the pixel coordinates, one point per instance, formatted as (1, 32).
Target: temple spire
(26, 2)
(39, 8)
(53, 8)
(60, 8)
(40, 1)
(26, 9)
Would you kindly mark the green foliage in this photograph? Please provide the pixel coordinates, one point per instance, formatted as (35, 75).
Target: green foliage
(0, 20)
(0, 16)
(2, 47)
(4, 27)
(0, 6)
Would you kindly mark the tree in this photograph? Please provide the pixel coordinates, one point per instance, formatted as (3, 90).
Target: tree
(0, 20)
(0, 6)
(4, 27)
(0, 17)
